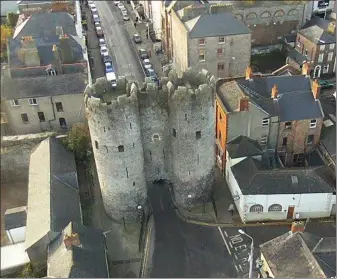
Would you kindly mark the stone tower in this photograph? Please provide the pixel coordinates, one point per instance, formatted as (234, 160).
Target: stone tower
(142, 133)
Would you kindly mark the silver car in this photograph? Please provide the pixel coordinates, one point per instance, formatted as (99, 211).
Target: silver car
(104, 50)
(147, 64)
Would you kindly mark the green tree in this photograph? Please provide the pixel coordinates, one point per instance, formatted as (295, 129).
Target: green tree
(5, 33)
(12, 19)
(33, 271)
(78, 140)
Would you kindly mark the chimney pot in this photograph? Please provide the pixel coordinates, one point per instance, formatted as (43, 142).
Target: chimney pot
(244, 103)
(274, 92)
(306, 69)
(70, 240)
(316, 89)
(249, 73)
(297, 226)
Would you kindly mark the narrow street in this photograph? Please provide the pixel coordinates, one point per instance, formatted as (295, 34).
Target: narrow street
(121, 49)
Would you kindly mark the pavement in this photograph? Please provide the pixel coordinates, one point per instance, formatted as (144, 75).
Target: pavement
(119, 41)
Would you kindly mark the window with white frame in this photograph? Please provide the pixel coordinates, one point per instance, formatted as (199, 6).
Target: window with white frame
(51, 72)
(221, 40)
(313, 123)
(263, 140)
(32, 102)
(201, 55)
(320, 57)
(322, 47)
(275, 207)
(265, 121)
(332, 46)
(325, 69)
(201, 42)
(256, 208)
(14, 103)
(330, 56)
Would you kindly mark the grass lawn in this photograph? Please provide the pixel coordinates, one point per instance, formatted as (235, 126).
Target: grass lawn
(269, 62)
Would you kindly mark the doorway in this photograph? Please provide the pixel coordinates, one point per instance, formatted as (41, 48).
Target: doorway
(63, 122)
(317, 71)
(290, 214)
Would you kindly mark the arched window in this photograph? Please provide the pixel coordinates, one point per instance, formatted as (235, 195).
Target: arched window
(257, 208)
(279, 13)
(275, 207)
(238, 16)
(155, 137)
(266, 15)
(251, 16)
(292, 12)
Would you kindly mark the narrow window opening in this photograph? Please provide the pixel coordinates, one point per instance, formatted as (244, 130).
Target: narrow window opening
(130, 126)
(285, 141)
(186, 117)
(104, 129)
(198, 135)
(158, 170)
(108, 129)
(107, 150)
(24, 117)
(174, 132)
(41, 116)
(164, 153)
(189, 172)
(127, 173)
(150, 156)
(134, 183)
(96, 144)
(133, 145)
(198, 159)
(121, 148)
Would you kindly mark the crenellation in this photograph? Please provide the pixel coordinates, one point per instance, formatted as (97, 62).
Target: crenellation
(153, 132)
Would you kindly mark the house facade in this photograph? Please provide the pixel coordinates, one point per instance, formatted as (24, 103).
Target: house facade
(321, 8)
(283, 113)
(319, 50)
(205, 39)
(262, 194)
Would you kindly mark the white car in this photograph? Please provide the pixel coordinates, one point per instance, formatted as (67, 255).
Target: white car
(147, 64)
(124, 13)
(101, 42)
(92, 5)
(126, 17)
(94, 10)
(116, 3)
(104, 50)
(121, 6)
(91, 2)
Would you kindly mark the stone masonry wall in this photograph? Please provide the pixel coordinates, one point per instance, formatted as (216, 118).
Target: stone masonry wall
(167, 133)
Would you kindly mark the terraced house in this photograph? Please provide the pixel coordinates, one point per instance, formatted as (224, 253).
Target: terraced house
(283, 113)
(42, 84)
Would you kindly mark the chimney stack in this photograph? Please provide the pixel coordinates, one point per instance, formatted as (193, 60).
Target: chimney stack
(67, 55)
(249, 73)
(297, 226)
(59, 31)
(57, 63)
(306, 69)
(71, 240)
(316, 89)
(244, 103)
(274, 92)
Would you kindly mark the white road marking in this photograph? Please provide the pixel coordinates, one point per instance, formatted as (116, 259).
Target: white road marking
(236, 257)
(230, 244)
(224, 240)
(226, 234)
(240, 267)
(236, 268)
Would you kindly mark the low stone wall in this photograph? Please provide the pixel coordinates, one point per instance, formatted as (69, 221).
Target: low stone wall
(15, 155)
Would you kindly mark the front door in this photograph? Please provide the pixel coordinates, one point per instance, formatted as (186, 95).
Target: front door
(290, 214)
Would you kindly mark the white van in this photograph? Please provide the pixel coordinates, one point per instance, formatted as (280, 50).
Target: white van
(112, 78)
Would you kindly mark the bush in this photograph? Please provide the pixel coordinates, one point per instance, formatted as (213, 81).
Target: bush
(33, 271)
(12, 19)
(5, 32)
(78, 140)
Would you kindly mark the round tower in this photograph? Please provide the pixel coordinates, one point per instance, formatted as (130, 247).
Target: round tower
(114, 124)
(192, 123)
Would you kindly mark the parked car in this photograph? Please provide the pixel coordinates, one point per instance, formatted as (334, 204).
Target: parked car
(120, 5)
(143, 53)
(101, 42)
(137, 38)
(92, 5)
(94, 11)
(325, 84)
(124, 12)
(108, 67)
(99, 32)
(147, 64)
(116, 3)
(111, 76)
(107, 58)
(126, 18)
(152, 74)
(96, 18)
(104, 50)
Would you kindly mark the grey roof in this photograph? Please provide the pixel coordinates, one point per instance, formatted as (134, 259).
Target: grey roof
(41, 86)
(328, 138)
(299, 58)
(295, 101)
(255, 179)
(52, 201)
(7, 7)
(41, 25)
(86, 260)
(243, 146)
(291, 38)
(301, 254)
(317, 28)
(230, 94)
(215, 25)
(15, 217)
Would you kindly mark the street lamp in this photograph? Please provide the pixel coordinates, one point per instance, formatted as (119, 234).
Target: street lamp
(251, 253)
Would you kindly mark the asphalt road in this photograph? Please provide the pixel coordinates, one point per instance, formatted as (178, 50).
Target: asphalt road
(119, 41)
(188, 250)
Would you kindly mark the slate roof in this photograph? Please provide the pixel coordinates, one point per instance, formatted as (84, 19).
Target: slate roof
(301, 255)
(41, 86)
(317, 28)
(15, 217)
(243, 146)
(299, 58)
(87, 260)
(328, 138)
(53, 197)
(41, 25)
(255, 179)
(215, 25)
(295, 102)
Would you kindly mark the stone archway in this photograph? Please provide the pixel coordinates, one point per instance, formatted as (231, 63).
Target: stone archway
(317, 71)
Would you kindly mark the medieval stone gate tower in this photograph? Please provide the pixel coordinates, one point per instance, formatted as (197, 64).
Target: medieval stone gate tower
(142, 133)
